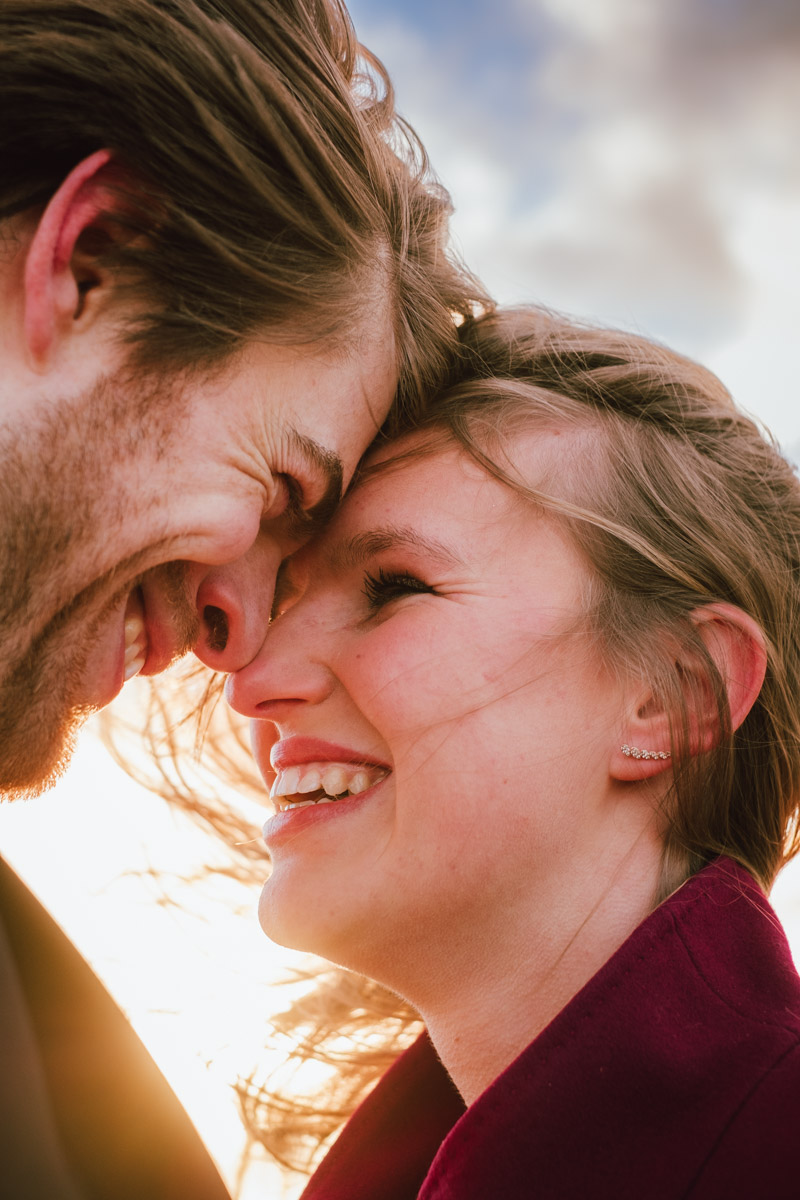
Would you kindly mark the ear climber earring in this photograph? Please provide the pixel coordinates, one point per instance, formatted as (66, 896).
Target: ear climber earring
(634, 752)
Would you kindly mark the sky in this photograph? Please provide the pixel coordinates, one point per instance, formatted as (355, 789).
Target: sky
(634, 162)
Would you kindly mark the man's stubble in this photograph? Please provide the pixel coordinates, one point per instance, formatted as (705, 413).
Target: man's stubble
(59, 506)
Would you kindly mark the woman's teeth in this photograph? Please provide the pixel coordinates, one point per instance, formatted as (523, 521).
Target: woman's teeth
(135, 645)
(334, 781)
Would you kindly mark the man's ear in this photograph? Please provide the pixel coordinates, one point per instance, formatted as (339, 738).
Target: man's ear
(738, 648)
(57, 279)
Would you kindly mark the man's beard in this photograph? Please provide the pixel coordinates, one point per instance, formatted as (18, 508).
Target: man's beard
(58, 504)
(38, 720)
(40, 714)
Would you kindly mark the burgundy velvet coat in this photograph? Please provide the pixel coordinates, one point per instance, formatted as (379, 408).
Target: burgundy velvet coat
(675, 1072)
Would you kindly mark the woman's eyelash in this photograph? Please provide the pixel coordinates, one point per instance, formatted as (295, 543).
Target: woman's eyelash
(385, 586)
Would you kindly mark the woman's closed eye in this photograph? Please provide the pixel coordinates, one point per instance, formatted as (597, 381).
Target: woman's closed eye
(385, 586)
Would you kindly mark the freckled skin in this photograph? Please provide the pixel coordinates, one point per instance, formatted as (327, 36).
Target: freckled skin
(483, 693)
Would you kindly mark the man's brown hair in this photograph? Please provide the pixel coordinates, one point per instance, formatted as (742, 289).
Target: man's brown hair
(272, 185)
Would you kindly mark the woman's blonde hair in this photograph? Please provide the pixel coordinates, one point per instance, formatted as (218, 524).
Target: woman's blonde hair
(677, 500)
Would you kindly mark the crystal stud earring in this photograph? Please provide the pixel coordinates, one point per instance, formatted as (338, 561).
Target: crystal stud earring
(635, 752)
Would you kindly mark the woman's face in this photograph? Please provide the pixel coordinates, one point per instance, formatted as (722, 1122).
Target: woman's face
(429, 653)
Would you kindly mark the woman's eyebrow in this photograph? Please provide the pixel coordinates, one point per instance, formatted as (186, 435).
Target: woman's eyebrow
(353, 551)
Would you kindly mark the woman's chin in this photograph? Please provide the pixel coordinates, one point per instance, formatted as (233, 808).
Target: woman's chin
(297, 924)
(275, 921)
(300, 919)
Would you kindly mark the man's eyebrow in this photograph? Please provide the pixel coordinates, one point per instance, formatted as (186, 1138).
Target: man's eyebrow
(353, 551)
(305, 523)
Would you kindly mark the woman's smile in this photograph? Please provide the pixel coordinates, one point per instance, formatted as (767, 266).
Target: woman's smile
(321, 783)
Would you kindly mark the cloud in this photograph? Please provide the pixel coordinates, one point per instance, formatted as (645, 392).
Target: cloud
(613, 158)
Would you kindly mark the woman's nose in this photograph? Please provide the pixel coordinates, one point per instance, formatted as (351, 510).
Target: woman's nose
(233, 603)
(288, 673)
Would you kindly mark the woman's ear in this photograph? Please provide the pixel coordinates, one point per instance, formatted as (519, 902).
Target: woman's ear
(57, 276)
(737, 646)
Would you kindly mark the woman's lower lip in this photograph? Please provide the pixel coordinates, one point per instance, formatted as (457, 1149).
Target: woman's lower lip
(284, 826)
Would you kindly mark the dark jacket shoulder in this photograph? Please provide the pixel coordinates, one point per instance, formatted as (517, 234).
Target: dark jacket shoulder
(98, 1116)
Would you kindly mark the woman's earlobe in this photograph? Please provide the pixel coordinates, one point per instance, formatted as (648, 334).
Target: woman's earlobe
(631, 761)
(647, 755)
(737, 647)
(643, 750)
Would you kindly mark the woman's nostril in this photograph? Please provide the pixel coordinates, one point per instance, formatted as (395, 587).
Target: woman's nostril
(216, 623)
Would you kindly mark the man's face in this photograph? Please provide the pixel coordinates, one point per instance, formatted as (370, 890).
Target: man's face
(140, 519)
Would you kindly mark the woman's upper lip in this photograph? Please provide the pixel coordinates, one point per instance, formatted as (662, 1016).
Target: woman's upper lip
(296, 750)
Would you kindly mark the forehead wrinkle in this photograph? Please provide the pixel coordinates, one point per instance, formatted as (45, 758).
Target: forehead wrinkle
(328, 461)
(355, 550)
(308, 523)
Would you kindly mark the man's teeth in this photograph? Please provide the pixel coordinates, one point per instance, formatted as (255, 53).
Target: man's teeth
(135, 645)
(333, 780)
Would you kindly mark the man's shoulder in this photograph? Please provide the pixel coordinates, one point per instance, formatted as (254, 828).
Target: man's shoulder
(116, 1121)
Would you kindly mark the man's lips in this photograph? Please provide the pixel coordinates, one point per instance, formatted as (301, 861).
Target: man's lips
(170, 624)
(135, 635)
(150, 644)
(115, 648)
(141, 629)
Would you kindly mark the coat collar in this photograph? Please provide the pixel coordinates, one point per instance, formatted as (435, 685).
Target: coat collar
(659, 1049)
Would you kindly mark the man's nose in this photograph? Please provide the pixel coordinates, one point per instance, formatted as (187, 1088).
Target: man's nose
(233, 604)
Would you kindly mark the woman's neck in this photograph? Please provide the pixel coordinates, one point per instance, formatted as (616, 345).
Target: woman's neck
(481, 1019)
